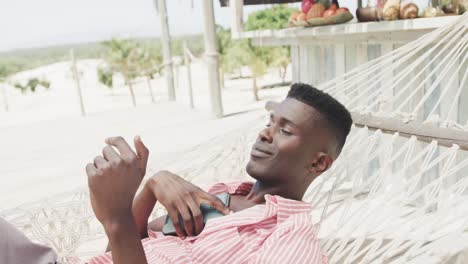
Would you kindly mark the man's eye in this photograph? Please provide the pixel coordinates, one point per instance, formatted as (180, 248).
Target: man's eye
(268, 125)
(286, 132)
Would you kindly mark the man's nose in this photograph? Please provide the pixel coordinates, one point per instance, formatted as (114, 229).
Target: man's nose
(266, 135)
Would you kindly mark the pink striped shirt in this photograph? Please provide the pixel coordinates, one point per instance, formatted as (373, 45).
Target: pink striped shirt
(279, 231)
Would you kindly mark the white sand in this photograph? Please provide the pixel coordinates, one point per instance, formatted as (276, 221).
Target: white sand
(46, 143)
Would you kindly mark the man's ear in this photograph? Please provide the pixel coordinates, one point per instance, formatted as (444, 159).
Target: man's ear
(321, 163)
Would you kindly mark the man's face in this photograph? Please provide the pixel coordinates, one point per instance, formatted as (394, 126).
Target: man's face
(285, 148)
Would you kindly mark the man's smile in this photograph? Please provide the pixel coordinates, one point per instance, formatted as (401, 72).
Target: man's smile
(260, 152)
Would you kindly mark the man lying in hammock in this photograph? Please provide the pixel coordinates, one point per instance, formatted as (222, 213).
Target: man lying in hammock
(265, 222)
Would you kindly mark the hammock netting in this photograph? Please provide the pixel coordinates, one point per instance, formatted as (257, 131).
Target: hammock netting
(389, 198)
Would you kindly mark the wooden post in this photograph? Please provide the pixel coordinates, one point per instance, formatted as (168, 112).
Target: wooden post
(166, 45)
(5, 97)
(255, 88)
(188, 63)
(211, 57)
(132, 93)
(236, 17)
(148, 81)
(176, 77)
(77, 80)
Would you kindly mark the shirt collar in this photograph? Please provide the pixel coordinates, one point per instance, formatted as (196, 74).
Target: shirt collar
(275, 204)
(237, 187)
(284, 207)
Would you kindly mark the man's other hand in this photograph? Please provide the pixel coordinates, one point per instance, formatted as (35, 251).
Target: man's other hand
(179, 196)
(114, 178)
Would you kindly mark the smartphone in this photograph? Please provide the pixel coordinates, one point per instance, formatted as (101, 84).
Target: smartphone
(207, 211)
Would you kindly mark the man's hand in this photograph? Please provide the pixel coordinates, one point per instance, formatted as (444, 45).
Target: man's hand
(179, 196)
(114, 178)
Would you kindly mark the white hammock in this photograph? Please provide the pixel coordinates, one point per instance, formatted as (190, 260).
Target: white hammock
(413, 81)
(398, 200)
(387, 199)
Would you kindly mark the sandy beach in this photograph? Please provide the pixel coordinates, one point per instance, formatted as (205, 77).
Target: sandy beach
(46, 142)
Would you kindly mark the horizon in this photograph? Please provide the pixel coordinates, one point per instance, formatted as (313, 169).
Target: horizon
(64, 45)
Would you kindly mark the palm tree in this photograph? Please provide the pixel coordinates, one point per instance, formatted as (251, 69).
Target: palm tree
(105, 76)
(258, 68)
(281, 57)
(223, 38)
(122, 57)
(150, 64)
(238, 54)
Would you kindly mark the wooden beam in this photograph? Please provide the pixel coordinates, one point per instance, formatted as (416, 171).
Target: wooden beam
(237, 18)
(423, 132)
(370, 32)
(212, 58)
(188, 66)
(260, 38)
(166, 47)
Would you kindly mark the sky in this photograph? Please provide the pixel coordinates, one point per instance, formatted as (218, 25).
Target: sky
(38, 23)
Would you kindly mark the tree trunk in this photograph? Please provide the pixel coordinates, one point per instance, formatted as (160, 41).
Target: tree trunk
(76, 77)
(188, 66)
(255, 89)
(132, 93)
(148, 81)
(5, 98)
(283, 77)
(112, 87)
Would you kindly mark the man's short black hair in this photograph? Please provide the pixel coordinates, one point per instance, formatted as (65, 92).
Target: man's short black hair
(332, 111)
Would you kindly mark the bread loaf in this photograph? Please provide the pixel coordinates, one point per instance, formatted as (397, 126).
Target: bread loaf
(391, 10)
(409, 11)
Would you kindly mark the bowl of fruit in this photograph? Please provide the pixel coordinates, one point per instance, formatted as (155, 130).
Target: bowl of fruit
(315, 13)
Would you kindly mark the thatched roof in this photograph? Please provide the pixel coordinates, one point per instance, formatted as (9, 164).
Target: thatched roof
(260, 2)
